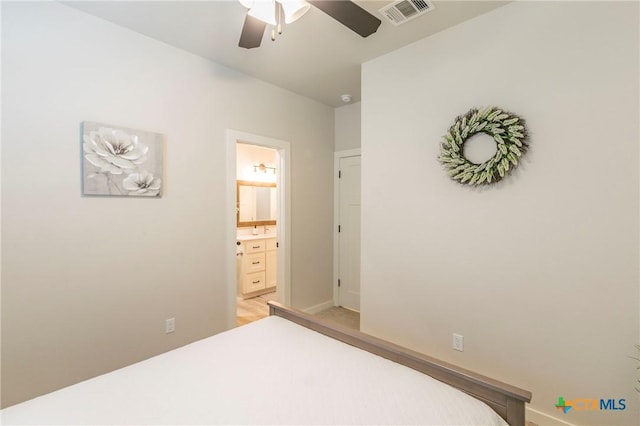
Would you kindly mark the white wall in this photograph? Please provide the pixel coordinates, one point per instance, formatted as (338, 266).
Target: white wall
(539, 272)
(88, 282)
(347, 127)
(249, 156)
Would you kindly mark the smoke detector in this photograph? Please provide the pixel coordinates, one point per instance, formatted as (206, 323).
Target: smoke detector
(346, 98)
(403, 11)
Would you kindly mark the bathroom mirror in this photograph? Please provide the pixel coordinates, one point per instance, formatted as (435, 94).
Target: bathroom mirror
(256, 203)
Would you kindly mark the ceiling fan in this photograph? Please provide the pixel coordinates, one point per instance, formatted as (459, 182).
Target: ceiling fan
(273, 12)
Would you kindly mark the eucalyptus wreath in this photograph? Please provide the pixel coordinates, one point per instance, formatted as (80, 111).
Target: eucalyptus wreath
(508, 131)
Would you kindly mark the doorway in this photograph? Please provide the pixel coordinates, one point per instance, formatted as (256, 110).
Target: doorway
(279, 246)
(347, 237)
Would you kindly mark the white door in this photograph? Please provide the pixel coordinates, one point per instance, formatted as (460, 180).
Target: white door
(349, 233)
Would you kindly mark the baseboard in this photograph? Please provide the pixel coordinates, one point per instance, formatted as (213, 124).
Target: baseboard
(319, 308)
(542, 419)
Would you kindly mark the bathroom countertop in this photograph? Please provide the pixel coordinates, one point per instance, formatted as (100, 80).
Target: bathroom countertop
(254, 237)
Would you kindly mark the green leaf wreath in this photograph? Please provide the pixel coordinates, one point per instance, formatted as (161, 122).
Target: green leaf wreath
(506, 128)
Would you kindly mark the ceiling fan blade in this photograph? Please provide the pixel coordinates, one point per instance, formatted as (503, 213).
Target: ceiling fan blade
(349, 14)
(252, 32)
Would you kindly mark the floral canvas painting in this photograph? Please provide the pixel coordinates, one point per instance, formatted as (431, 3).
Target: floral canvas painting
(121, 162)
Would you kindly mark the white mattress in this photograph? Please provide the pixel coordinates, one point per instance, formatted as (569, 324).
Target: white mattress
(269, 372)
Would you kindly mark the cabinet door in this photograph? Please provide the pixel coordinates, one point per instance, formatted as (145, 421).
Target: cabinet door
(253, 282)
(272, 244)
(255, 262)
(271, 275)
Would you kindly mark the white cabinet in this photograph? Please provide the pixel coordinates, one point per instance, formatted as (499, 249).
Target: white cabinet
(258, 267)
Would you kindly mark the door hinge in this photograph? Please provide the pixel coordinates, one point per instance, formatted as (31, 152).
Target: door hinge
(338, 228)
(339, 174)
(277, 244)
(338, 283)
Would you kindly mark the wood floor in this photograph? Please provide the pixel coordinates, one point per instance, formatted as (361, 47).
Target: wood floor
(253, 309)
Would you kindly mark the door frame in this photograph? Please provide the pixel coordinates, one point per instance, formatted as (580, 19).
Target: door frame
(283, 217)
(337, 156)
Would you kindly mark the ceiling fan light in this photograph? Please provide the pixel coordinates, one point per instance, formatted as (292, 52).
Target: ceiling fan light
(294, 9)
(264, 10)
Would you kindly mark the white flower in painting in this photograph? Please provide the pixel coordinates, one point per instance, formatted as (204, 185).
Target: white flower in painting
(142, 183)
(113, 150)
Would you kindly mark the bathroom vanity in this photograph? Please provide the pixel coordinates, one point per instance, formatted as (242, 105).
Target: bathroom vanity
(257, 267)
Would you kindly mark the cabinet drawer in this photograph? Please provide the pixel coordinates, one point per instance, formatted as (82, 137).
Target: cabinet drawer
(254, 282)
(254, 246)
(272, 243)
(255, 262)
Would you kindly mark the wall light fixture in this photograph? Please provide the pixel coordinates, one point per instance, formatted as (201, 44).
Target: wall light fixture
(261, 167)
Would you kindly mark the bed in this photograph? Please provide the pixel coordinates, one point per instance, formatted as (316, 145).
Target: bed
(289, 368)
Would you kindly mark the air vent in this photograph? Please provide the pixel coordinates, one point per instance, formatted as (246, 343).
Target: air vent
(405, 10)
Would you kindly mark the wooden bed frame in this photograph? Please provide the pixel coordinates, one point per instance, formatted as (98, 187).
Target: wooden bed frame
(508, 401)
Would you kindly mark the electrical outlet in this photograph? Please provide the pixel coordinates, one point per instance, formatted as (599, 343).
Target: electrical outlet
(170, 325)
(458, 342)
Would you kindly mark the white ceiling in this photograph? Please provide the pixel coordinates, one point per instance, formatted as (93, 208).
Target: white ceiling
(316, 56)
